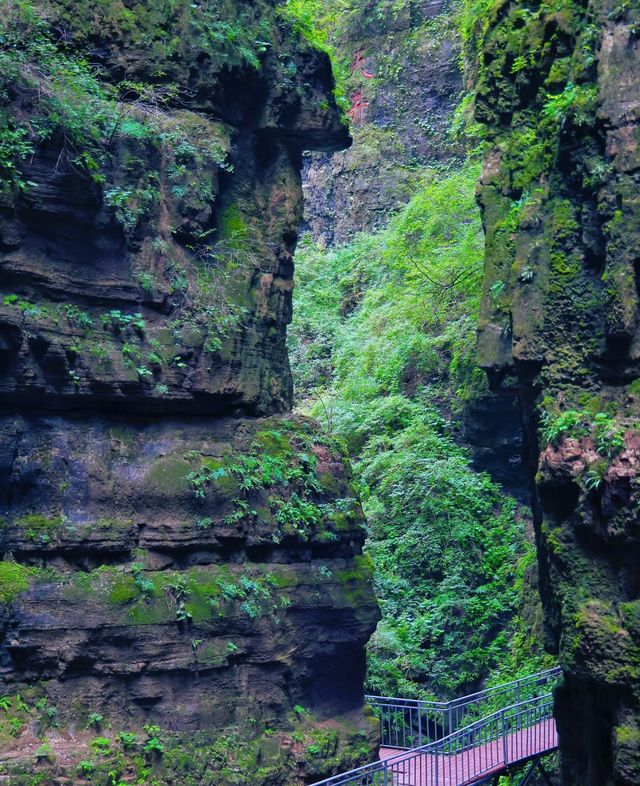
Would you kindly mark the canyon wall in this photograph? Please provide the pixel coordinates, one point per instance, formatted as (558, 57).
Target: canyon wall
(559, 96)
(405, 62)
(402, 60)
(178, 551)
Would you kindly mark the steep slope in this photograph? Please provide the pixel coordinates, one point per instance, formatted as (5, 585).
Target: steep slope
(178, 553)
(558, 94)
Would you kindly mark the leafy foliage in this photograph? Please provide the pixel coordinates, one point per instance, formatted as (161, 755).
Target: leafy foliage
(393, 310)
(607, 433)
(444, 542)
(277, 477)
(383, 352)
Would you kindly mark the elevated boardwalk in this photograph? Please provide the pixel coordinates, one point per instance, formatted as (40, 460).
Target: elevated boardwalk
(470, 740)
(474, 765)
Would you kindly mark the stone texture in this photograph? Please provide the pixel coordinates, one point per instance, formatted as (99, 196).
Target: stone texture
(188, 554)
(110, 496)
(215, 349)
(413, 52)
(558, 92)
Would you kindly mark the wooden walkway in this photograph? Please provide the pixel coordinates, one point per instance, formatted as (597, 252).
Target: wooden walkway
(476, 764)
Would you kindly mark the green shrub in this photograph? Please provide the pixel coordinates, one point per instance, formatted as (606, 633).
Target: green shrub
(128, 740)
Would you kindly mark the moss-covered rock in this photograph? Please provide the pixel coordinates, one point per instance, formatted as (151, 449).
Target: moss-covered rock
(221, 581)
(13, 580)
(171, 539)
(558, 95)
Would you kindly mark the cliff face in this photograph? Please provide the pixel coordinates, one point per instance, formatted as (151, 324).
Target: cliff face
(177, 551)
(404, 62)
(182, 240)
(559, 94)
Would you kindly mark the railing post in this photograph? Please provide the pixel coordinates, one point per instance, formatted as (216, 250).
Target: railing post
(450, 720)
(419, 724)
(504, 736)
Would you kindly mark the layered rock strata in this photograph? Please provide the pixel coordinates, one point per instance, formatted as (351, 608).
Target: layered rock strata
(177, 550)
(558, 92)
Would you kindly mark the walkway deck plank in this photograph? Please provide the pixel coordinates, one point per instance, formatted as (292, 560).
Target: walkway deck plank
(473, 765)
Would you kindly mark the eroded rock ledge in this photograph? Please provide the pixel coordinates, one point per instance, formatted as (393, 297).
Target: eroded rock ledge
(190, 574)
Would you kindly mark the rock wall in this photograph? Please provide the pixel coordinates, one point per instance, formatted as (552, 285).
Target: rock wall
(177, 550)
(411, 50)
(558, 94)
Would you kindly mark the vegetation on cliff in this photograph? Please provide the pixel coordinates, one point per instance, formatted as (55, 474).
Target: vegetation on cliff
(207, 563)
(49, 87)
(383, 345)
(558, 99)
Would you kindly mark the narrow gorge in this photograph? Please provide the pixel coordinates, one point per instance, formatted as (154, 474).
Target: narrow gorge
(319, 362)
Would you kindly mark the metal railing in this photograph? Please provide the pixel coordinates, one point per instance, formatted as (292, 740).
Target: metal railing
(409, 723)
(520, 731)
(508, 736)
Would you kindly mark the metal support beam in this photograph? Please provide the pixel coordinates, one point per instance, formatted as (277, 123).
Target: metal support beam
(530, 771)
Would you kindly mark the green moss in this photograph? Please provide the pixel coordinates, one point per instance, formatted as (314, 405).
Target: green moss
(630, 613)
(169, 475)
(203, 588)
(40, 527)
(599, 632)
(329, 483)
(214, 654)
(226, 482)
(123, 590)
(565, 265)
(274, 443)
(627, 735)
(117, 527)
(284, 578)
(13, 580)
(528, 158)
(232, 225)
(554, 541)
(80, 586)
(127, 436)
(153, 611)
(356, 581)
